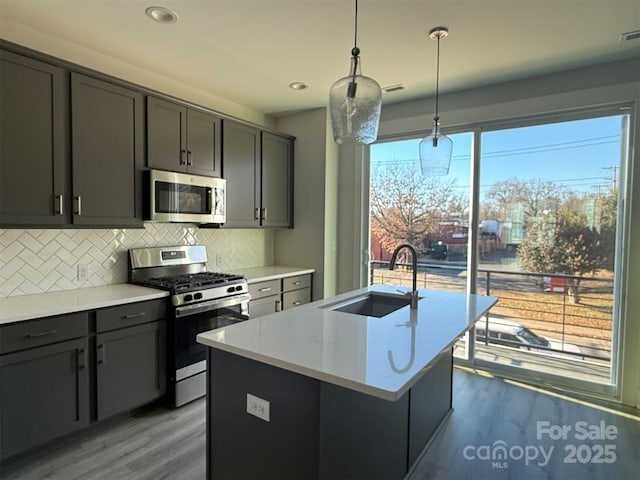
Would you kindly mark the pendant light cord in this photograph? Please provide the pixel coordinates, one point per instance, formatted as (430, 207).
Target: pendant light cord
(355, 52)
(437, 118)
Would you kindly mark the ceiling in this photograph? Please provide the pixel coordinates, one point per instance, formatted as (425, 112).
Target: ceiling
(249, 51)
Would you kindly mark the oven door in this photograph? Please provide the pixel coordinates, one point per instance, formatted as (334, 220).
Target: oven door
(190, 320)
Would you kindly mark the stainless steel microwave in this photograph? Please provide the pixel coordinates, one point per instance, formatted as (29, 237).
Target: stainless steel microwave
(181, 197)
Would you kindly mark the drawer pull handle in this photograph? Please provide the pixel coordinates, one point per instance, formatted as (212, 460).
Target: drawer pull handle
(297, 303)
(42, 334)
(60, 204)
(265, 289)
(82, 358)
(101, 354)
(297, 283)
(134, 315)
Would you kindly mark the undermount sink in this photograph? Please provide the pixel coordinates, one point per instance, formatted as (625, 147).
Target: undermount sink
(373, 304)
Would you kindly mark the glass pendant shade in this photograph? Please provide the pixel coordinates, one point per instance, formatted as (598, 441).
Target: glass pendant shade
(435, 154)
(355, 102)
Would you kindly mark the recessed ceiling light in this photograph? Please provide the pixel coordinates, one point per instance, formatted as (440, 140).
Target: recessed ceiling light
(161, 15)
(298, 86)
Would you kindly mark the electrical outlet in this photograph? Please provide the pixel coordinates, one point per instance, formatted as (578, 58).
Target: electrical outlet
(258, 407)
(83, 272)
(218, 260)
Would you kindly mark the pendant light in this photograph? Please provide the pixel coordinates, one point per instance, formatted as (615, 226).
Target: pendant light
(436, 149)
(355, 102)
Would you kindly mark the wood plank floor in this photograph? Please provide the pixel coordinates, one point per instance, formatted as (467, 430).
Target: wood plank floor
(488, 413)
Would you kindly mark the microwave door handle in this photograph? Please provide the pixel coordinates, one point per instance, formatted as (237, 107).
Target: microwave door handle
(210, 206)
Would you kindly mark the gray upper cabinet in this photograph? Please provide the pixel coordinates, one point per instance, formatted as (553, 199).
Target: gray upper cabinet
(258, 167)
(56, 126)
(33, 142)
(277, 181)
(240, 154)
(108, 152)
(182, 139)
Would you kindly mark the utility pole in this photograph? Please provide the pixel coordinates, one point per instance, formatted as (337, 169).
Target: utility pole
(614, 176)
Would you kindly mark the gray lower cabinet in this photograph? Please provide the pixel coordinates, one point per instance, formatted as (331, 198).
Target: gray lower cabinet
(130, 368)
(272, 296)
(50, 369)
(33, 142)
(130, 356)
(44, 381)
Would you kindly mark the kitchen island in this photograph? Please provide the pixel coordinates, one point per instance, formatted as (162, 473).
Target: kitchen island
(320, 391)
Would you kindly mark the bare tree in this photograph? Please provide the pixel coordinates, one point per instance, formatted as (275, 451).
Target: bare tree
(406, 207)
(536, 195)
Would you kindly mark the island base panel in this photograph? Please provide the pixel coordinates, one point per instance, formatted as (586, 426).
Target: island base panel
(316, 430)
(242, 446)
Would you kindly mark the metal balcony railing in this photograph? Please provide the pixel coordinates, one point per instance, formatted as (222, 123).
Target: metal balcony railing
(571, 311)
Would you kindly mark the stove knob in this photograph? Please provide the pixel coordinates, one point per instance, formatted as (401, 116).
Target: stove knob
(238, 288)
(230, 290)
(188, 297)
(197, 296)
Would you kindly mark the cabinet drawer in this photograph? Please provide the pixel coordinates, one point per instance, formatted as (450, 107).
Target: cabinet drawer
(130, 314)
(264, 289)
(296, 283)
(297, 297)
(34, 333)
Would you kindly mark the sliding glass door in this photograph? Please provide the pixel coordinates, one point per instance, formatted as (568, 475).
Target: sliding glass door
(543, 237)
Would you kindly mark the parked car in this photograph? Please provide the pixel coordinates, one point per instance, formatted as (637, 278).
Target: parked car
(503, 331)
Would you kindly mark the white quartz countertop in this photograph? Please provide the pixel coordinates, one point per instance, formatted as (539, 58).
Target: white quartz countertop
(272, 272)
(38, 305)
(382, 357)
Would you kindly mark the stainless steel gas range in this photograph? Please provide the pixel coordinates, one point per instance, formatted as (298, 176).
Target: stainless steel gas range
(200, 301)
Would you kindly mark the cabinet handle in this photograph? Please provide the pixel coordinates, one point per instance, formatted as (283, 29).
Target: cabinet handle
(82, 358)
(79, 204)
(264, 214)
(101, 354)
(189, 161)
(60, 204)
(134, 315)
(297, 303)
(182, 154)
(278, 306)
(41, 334)
(256, 216)
(297, 283)
(265, 289)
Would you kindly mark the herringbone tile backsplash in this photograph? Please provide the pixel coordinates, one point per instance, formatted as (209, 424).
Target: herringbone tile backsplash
(35, 261)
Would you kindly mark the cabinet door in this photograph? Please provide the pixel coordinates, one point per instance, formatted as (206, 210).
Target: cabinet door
(240, 167)
(108, 153)
(166, 135)
(264, 306)
(203, 144)
(44, 394)
(33, 142)
(130, 365)
(277, 181)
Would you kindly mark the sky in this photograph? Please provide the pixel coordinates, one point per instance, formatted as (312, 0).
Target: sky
(582, 155)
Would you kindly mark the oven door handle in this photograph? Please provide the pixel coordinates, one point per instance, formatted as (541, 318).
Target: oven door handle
(192, 309)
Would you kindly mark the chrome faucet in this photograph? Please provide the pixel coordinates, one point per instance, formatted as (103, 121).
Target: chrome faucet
(392, 264)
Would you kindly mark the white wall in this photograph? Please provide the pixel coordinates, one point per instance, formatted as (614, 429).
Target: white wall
(30, 37)
(312, 241)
